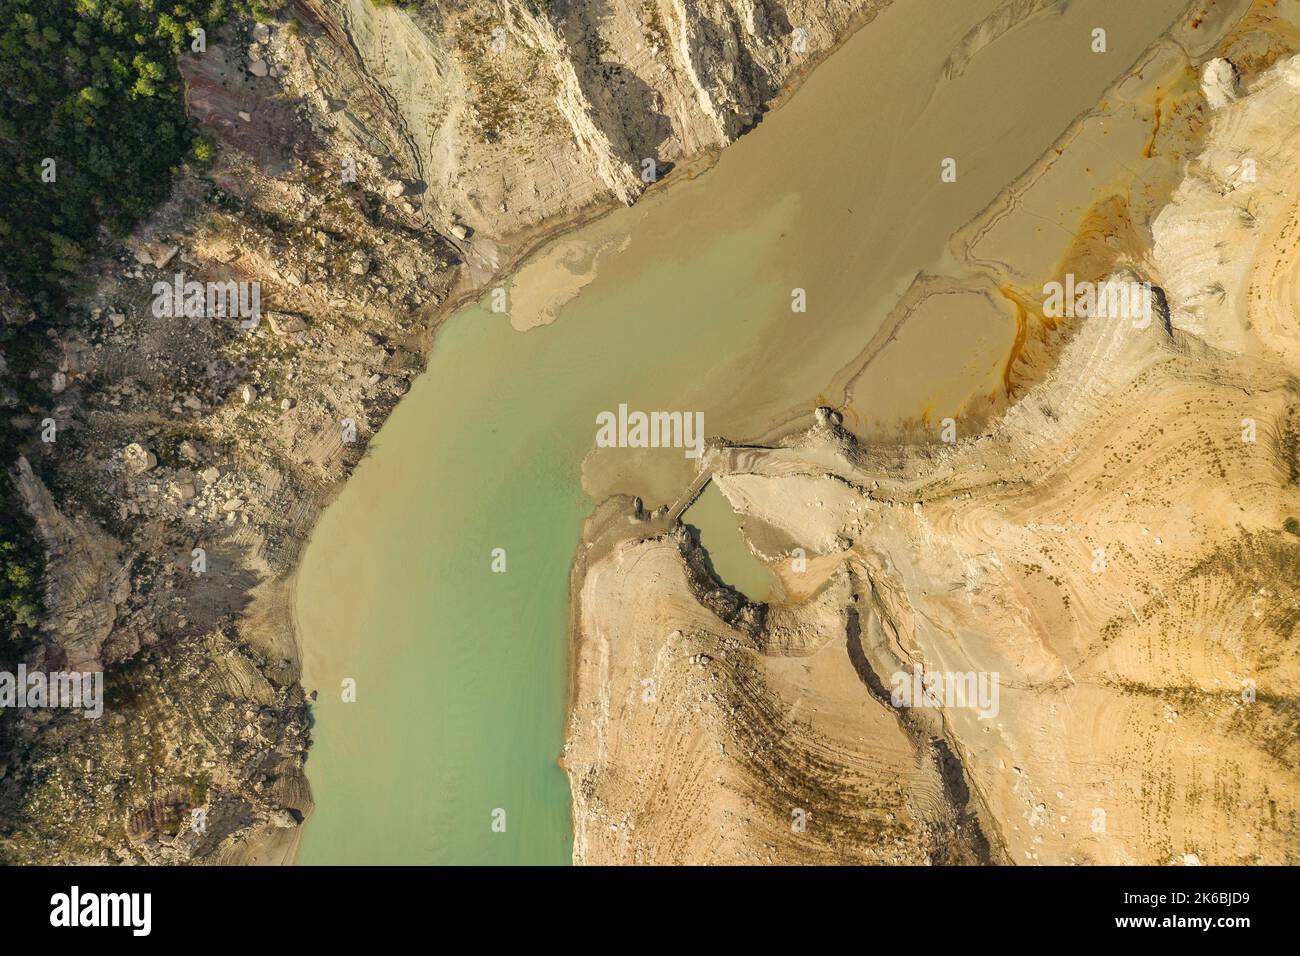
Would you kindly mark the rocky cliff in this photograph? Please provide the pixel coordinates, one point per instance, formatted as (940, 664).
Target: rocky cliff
(516, 114)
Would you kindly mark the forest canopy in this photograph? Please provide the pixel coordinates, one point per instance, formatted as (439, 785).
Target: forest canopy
(92, 128)
(92, 124)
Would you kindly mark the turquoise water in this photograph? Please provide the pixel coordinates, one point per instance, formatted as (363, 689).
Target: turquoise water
(460, 670)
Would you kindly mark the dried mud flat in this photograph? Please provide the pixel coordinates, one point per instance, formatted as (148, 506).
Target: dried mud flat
(1112, 543)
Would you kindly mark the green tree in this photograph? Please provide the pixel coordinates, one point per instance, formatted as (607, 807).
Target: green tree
(94, 85)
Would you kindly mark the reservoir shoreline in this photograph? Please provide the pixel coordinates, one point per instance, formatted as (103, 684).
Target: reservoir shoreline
(520, 248)
(598, 483)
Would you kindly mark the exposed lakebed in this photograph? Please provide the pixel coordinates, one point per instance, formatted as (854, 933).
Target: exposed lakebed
(460, 669)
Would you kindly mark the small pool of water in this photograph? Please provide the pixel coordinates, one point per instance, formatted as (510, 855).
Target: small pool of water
(718, 528)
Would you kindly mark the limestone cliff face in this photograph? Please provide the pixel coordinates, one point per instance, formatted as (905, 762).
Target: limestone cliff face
(511, 113)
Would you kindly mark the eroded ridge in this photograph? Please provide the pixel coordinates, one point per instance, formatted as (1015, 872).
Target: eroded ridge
(1115, 556)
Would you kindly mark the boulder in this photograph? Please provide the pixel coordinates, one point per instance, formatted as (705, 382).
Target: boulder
(828, 417)
(182, 487)
(284, 324)
(138, 459)
(1219, 82)
(282, 819)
